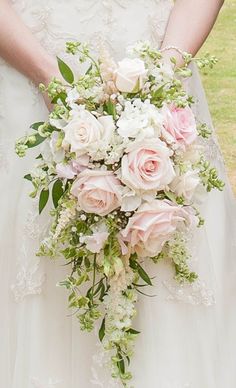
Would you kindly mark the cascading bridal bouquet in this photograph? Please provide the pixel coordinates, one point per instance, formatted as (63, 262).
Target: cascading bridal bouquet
(123, 157)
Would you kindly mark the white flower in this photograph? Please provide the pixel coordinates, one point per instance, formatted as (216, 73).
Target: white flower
(163, 73)
(51, 150)
(186, 184)
(72, 97)
(130, 75)
(139, 120)
(86, 134)
(96, 241)
(130, 200)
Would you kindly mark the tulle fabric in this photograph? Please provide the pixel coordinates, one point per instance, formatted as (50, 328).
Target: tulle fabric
(188, 333)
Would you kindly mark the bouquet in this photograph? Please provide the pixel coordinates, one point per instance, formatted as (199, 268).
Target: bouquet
(122, 157)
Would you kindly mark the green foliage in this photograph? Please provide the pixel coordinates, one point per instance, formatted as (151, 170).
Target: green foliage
(65, 71)
(57, 192)
(209, 176)
(204, 131)
(176, 250)
(43, 199)
(137, 268)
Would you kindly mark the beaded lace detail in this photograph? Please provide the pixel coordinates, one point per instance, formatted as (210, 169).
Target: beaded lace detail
(195, 294)
(94, 20)
(51, 383)
(30, 276)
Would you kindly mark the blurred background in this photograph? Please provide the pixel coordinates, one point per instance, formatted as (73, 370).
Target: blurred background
(220, 84)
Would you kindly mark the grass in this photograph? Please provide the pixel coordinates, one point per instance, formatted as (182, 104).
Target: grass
(220, 84)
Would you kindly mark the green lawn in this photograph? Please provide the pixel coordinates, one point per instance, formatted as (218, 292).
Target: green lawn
(220, 84)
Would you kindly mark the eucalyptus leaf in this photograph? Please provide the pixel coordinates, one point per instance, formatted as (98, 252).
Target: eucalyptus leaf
(65, 71)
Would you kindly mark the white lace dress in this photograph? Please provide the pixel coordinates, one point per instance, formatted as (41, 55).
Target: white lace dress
(188, 335)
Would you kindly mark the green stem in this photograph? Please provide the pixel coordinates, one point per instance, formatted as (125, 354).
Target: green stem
(94, 276)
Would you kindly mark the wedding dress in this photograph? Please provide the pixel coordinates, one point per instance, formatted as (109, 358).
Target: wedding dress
(188, 335)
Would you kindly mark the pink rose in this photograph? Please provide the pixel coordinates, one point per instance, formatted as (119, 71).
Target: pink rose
(151, 227)
(147, 166)
(97, 191)
(179, 125)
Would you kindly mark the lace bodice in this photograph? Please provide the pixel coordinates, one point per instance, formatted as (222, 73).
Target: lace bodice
(118, 22)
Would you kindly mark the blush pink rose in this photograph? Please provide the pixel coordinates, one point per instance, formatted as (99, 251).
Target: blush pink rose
(147, 166)
(179, 125)
(151, 227)
(97, 191)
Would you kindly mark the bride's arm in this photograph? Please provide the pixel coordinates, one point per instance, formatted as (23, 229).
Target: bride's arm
(20, 48)
(189, 25)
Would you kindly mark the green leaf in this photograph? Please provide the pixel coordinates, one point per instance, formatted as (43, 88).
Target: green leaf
(170, 196)
(144, 275)
(121, 363)
(137, 267)
(103, 292)
(57, 192)
(28, 177)
(37, 125)
(111, 109)
(65, 70)
(132, 331)
(38, 140)
(43, 199)
(101, 332)
(158, 93)
(89, 69)
(61, 96)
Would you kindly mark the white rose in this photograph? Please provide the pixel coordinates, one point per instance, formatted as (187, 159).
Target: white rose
(130, 75)
(186, 184)
(86, 134)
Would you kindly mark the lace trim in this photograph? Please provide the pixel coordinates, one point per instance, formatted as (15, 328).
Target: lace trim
(101, 363)
(30, 276)
(36, 383)
(195, 294)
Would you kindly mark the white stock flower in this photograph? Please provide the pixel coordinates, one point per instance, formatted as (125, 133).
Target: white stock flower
(139, 120)
(72, 97)
(51, 150)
